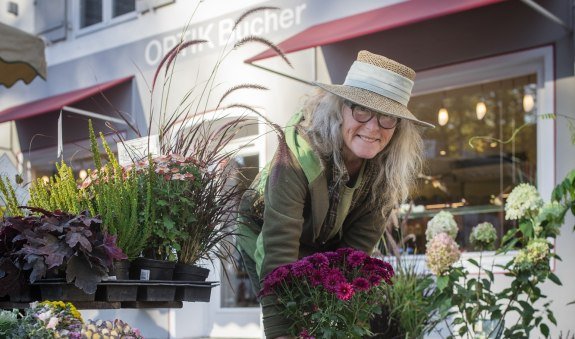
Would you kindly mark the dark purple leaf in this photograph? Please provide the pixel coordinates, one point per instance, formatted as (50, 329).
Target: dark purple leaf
(111, 249)
(73, 238)
(83, 274)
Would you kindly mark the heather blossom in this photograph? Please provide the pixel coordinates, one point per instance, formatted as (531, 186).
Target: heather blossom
(335, 292)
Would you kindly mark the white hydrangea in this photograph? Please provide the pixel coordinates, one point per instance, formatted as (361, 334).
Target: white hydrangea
(483, 236)
(442, 222)
(523, 201)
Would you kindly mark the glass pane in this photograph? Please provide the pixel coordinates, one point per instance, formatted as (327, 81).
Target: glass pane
(236, 290)
(90, 12)
(473, 182)
(120, 7)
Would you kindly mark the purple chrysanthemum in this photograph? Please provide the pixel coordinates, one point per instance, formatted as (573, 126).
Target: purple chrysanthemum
(344, 291)
(318, 260)
(332, 279)
(361, 284)
(301, 268)
(356, 259)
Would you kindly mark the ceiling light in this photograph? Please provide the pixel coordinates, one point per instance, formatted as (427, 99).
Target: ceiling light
(442, 117)
(480, 110)
(528, 102)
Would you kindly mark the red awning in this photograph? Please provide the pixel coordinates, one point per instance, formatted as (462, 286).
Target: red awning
(56, 102)
(401, 14)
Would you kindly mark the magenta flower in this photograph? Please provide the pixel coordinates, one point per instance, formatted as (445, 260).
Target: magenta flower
(361, 284)
(344, 291)
(318, 260)
(323, 286)
(356, 259)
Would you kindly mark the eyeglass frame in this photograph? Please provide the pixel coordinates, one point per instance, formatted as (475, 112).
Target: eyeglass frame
(353, 106)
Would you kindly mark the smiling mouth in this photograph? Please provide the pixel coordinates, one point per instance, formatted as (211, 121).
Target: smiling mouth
(367, 139)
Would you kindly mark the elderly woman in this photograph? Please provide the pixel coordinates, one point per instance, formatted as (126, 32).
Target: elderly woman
(349, 157)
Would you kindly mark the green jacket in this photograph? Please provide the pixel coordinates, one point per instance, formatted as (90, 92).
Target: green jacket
(294, 192)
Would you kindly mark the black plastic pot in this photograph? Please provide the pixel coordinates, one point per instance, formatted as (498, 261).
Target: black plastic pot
(385, 327)
(151, 269)
(121, 270)
(186, 272)
(64, 292)
(194, 293)
(156, 292)
(116, 291)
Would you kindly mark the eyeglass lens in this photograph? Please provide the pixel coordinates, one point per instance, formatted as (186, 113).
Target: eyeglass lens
(363, 115)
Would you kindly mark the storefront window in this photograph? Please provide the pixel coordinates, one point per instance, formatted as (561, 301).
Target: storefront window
(473, 182)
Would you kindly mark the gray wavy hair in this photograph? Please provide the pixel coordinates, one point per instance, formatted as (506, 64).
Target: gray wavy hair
(401, 160)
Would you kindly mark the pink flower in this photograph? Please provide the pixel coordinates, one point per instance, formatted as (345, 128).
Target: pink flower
(361, 284)
(318, 260)
(301, 268)
(356, 258)
(344, 291)
(52, 323)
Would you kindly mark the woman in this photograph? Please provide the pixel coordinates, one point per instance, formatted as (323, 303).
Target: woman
(348, 158)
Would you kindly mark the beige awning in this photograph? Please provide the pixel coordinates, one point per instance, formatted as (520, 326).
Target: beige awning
(21, 56)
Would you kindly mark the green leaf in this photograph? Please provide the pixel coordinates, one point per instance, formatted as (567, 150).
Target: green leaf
(442, 282)
(473, 261)
(544, 330)
(554, 278)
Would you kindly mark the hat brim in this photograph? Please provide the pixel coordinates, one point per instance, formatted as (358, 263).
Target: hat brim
(373, 101)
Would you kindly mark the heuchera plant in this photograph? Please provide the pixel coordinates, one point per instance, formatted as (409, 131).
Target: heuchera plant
(330, 294)
(56, 241)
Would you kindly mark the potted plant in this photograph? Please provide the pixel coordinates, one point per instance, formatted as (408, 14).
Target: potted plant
(73, 244)
(109, 191)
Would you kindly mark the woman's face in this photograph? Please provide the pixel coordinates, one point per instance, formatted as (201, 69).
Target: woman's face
(362, 140)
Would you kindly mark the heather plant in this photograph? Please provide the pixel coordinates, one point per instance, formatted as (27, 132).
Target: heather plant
(194, 209)
(8, 198)
(330, 294)
(121, 197)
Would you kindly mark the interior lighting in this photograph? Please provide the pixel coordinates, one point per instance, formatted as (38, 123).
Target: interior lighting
(528, 102)
(480, 110)
(442, 117)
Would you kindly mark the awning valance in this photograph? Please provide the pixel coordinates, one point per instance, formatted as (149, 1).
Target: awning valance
(21, 56)
(377, 20)
(57, 102)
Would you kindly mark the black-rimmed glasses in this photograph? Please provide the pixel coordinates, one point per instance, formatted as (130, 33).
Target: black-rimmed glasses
(364, 115)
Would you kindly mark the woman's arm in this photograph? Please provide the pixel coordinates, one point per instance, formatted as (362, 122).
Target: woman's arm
(285, 194)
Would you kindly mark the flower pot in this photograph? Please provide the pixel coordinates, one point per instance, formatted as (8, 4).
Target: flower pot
(121, 270)
(156, 292)
(186, 272)
(151, 269)
(112, 291)
(194, 293)
(384, 326)
(63, 291)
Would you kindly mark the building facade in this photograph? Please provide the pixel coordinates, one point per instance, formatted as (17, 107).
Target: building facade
(484, 68)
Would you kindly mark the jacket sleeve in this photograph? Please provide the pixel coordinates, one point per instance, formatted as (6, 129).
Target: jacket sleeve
(285, 195)
(364, 230)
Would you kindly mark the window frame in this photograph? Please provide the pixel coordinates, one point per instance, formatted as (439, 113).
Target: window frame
(107, 19)
(539, 61)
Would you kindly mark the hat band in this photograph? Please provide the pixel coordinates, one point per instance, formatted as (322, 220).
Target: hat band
(379, 80)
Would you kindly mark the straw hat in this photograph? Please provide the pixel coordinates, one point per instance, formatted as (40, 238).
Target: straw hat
(378, 83)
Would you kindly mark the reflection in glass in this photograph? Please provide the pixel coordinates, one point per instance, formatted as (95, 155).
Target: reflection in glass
(473, 182)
